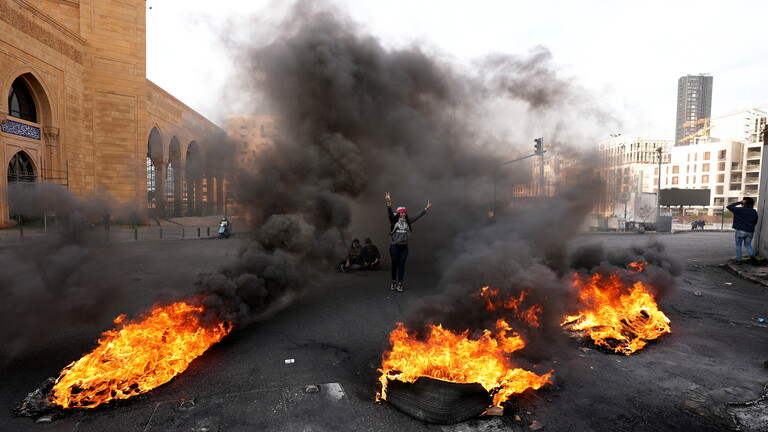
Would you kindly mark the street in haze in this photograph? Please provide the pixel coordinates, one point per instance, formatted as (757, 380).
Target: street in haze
(260, 377)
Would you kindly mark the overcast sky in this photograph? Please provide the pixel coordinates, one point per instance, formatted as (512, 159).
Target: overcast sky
(627, 54)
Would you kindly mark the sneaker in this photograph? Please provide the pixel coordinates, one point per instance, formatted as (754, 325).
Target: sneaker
(392, 286)
(737, 262)
(400, 287)
(342, 268)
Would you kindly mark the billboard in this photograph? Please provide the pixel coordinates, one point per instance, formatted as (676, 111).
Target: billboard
(684, 197)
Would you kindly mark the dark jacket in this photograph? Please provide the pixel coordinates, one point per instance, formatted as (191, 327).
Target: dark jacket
(370, 254)
(744, 218)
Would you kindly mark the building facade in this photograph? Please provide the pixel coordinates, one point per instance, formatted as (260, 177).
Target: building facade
(80, 112)
(630, 168)
(694, 107)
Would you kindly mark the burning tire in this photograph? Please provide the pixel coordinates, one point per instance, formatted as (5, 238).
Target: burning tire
(436, 401)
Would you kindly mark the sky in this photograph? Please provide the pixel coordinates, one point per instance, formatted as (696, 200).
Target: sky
(628, 55)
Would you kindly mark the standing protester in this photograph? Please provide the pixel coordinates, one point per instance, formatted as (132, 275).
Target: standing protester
(370, 255)
(744, 221)
(400, 234)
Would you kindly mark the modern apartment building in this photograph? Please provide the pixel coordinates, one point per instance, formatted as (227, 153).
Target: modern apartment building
(694, 105)
(630, 167)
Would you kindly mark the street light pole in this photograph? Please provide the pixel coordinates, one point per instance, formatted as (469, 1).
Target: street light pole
(658, 193)
(495, 175)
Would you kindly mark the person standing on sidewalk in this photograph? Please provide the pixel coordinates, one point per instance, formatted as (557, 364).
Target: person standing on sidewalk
(744, 222)
(400, 234)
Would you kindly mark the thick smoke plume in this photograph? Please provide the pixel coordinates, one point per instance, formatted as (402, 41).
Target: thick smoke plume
(358, 120)
(58, 277)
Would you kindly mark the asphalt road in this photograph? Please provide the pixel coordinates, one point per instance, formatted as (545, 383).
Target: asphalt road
(335, 336)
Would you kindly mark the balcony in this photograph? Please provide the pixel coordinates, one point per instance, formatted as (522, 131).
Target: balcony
(753, 155)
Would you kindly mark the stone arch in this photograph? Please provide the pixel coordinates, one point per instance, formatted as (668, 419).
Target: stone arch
(43, 149)
(174, 179)
(21, 175)
(155, 174)
(193, 179)
(47, 113)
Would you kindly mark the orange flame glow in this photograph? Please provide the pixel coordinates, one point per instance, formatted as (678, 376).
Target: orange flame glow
(448, 356)
(529, 315)
(138, 357)
(617, 315)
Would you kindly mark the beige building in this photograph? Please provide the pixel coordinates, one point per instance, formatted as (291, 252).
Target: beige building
(630, 168)
(80, 112)
(729, 168)
(250, 136)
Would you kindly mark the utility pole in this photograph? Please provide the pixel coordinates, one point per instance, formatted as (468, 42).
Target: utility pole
(658, 193)
(539, 150)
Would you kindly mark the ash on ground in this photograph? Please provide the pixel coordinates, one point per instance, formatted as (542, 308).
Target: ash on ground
(37, 403)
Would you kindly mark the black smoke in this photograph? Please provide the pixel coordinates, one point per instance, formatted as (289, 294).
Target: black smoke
(359, 119)
(54, 282)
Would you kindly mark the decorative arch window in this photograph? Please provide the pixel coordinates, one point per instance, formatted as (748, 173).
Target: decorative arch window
(20, 169)
(20, 102)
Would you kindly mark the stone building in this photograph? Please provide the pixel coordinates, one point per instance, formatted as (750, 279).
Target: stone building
(80, 112)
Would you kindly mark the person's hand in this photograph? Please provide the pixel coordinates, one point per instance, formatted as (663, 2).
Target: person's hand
(429, 204)
(387, 199)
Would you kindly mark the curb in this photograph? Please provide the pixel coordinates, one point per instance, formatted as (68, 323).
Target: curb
(738, 271)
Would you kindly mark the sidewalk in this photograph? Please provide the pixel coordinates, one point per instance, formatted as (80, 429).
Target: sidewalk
(757, 273)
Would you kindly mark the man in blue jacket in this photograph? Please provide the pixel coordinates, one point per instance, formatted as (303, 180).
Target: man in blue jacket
(744, 222)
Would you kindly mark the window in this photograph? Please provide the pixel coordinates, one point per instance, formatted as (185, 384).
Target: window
(674, 180)
(706, 156)
(20, 102)
(720, 178)
(675, 169)
(656, 172)
(705, 179)
(721, 166)
(719, 190)
(705, 168)
(721, 155)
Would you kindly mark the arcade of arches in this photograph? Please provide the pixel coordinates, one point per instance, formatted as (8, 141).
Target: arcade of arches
(79, 111)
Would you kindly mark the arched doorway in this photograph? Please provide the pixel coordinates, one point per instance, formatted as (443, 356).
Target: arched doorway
(173, 179)
(155, 177)
(21, 181)
(193, 178)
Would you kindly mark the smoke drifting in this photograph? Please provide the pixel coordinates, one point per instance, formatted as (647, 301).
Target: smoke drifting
(55, 278)
(358, 120)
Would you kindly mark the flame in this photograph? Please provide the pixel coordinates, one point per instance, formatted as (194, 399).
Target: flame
(453, 357)
(138, 357)
(618, 315)
(529, 315)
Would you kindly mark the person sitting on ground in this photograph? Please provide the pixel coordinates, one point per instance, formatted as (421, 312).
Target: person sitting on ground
(354, 256)
(370, 255)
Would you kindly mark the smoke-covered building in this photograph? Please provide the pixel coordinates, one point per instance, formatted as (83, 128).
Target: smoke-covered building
(694, 106)
(81, 113)
(630, 168)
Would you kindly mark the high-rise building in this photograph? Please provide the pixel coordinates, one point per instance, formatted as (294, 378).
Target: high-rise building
(694, 107)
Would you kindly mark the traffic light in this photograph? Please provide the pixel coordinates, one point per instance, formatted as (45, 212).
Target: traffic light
(539, 146)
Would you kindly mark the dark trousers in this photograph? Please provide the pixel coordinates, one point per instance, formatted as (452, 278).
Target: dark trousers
(398, 254)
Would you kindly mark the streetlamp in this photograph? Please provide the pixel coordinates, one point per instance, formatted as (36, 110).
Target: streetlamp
(658, 193)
